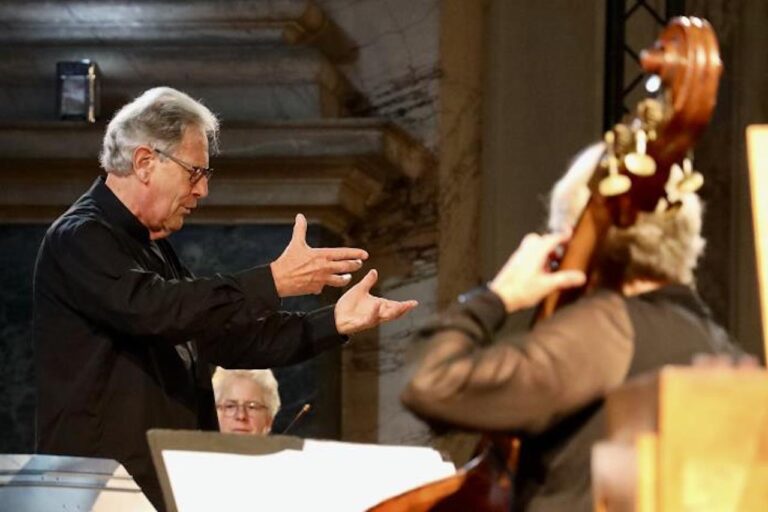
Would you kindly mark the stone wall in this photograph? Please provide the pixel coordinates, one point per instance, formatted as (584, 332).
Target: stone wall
(399, 71)
(402, 241)
(397, 67)
(18, 249)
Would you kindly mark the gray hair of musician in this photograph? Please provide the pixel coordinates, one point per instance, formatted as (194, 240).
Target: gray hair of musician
(158, 118)
(660, 245)
(264, 378)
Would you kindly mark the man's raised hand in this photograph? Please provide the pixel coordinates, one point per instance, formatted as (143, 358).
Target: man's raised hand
(302, 270)
(358, 310)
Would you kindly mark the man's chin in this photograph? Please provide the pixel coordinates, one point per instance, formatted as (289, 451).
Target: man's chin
(169, 228)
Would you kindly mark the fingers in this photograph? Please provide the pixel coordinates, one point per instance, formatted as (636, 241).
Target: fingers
(361, 288)
(338, 280)
(385, 310)
(329, 253)
(706, 360)
(749, 362)
(299, 229)
(392, 310)
(344, 267)
(564, 279)
(548, 243)
(367, 282)
(338, 273)
(715, 361)
(342, 253)
(534, 252)
(357, 310)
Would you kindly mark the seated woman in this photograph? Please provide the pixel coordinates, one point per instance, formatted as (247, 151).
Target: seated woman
(246, 400)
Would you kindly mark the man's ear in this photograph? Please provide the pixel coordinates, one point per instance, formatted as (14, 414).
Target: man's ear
(143, 163)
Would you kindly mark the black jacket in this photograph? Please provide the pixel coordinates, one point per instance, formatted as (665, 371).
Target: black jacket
(549, 386)
(125, 335)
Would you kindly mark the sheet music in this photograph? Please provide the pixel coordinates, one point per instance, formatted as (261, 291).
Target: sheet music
(325, 475)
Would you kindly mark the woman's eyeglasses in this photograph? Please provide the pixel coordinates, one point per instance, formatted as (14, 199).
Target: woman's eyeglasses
(251, 409)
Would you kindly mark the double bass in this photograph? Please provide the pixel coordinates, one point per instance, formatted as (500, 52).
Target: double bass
(641, 153)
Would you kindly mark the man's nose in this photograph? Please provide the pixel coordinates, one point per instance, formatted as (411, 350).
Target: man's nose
(200, 189)
(240, 414)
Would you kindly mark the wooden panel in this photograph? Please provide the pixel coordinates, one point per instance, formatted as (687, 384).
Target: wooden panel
(757, 147)
(713, 425)
(696, 441)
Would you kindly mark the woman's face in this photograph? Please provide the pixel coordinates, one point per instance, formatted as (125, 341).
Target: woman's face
(242, 408)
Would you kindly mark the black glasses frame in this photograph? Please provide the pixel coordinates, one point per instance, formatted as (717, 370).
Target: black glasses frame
(196, 173)
(250, 408)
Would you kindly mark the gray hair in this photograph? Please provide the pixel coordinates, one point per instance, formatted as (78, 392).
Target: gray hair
(158, 118)
(664, 245)
(264, 378)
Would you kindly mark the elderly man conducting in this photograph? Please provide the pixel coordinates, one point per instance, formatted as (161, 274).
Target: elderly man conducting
(124, 334)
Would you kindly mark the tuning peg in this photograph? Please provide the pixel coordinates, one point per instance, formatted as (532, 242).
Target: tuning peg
(638, 162)
(651, 111)
(667, 206)
(614, 184)
(624, 139)
(692, 180)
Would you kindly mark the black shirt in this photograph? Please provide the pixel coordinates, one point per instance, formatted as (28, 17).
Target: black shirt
(124, 335)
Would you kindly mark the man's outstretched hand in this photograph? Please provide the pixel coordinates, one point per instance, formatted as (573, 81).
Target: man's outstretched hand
(303, 270)
(358, 310)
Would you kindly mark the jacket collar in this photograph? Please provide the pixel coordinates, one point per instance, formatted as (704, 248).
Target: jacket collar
(679, 294)
(116, 212)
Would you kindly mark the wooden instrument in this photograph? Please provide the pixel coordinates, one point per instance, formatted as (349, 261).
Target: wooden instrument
(633, 176)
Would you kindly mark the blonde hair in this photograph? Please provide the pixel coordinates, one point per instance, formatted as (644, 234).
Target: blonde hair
(663, 245)
(264, 378)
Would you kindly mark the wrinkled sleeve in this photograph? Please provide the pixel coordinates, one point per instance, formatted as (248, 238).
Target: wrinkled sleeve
(467, 378)
(233, 318)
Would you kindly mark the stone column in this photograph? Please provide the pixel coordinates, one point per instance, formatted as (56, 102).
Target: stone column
(459, 147)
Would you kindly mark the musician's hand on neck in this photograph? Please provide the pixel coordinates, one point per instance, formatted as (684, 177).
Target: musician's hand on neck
(526, 278)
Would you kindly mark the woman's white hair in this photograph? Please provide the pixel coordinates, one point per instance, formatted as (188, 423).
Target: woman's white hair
(157, 118)
(264, 378)
(664, 245)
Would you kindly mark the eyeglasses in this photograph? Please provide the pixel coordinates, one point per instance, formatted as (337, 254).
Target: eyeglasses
(251, 409)
(195, 173)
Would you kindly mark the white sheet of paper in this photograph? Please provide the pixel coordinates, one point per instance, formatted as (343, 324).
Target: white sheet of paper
(325, 475)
